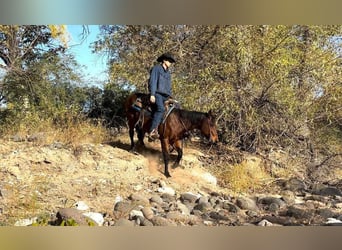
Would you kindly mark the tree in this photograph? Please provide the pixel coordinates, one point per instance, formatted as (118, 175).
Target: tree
(268, 83)
(42, 79)
(23, 46)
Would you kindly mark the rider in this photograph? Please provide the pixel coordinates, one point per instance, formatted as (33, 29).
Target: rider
(160, 90)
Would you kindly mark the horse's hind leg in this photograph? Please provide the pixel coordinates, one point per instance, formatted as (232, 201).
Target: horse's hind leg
(178, 145)
(131, 124)
(131, 137)
(140, 134)
(165, 150)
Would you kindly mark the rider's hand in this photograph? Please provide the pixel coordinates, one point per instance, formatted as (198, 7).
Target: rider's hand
(152, 99)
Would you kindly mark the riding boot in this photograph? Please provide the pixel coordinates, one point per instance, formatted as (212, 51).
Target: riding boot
(153, 135)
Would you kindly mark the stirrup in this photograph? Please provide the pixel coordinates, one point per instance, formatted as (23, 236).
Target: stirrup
(152, 136)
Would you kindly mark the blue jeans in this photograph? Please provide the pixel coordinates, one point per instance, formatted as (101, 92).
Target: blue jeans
(158, 110)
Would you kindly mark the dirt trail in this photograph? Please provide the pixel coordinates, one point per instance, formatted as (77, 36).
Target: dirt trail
(42, 179)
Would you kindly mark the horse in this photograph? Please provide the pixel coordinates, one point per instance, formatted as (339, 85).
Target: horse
(177, 125)
(174, 128)
(138, 116)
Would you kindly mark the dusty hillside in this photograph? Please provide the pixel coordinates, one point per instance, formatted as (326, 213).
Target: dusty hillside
(42, 179)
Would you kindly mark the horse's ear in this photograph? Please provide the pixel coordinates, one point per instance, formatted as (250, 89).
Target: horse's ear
(211, 114)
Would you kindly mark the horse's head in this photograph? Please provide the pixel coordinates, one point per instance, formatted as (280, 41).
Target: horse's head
(208, 127)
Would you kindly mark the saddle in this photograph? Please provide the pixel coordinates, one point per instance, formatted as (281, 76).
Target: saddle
(143, 105)
(169, 105)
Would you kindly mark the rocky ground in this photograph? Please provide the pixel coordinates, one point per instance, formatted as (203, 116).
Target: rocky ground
(105, 184)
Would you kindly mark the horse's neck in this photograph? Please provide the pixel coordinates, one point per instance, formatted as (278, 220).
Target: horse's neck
(191, 120)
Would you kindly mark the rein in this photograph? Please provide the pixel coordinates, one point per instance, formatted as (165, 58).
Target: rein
(186, 130)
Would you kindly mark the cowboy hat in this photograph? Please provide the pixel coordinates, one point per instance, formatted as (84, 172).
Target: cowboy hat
(166, 56)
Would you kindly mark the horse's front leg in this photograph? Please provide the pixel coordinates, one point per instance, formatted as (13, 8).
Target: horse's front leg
(140, 134)
(131, 124)
(131, 137)
(178, 145)
(165, 151)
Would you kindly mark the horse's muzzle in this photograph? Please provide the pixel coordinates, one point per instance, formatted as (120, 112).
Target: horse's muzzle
(213, 141)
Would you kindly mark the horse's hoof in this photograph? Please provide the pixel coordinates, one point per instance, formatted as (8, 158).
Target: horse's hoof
(133, 151)
(175, 166)
(167, 175)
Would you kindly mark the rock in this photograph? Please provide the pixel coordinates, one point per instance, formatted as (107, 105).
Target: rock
(18, 138)
(190, 197)
(156, 198)
(326, 213)
(333, 222)
(178, 217)
(273, 207)
(122, 222)
(210, 178)
(322, 199)
(295, 184)
(166, 197)
(157, 208)
(247, 204)
(299, 212)
(25, 222)
(215, 201)
(146, 222)
(81, 205)
(183, 208)
(123, 207)
(138, 199)
(272, 200)
(328, 191)
(167, 190)
(135, 213)
(338, 205)
(265, 223)
(220, 215)
(288, 197)
(215, 194)
(203, 199)
(208, 223)
(161, 183)
(72, 217)
(117, 199)
(161, 221)
(36, 137)
(279, 220)
(138, 187)
(251, 213)
(97, 217)
(147, 212)
(197, 213)
(231, 207)
(203, 206)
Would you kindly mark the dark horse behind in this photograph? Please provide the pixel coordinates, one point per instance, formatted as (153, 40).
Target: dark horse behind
(173, 129)
(138, 116)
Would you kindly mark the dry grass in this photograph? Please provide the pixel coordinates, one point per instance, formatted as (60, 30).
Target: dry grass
(245, 177)
(67, 130)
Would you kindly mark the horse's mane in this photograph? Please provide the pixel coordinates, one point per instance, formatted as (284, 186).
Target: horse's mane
(190, 115)
(145, 98)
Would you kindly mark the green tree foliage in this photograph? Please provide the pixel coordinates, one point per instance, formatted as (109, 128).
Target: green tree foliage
(271, 85)
(41, 79)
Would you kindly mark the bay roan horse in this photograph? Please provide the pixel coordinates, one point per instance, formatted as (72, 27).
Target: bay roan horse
(173, 129)
(137, 121)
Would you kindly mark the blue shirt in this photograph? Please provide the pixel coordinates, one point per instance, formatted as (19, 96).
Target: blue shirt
(160, 81)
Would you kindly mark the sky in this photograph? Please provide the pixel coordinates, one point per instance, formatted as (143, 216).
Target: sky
(94, 65)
